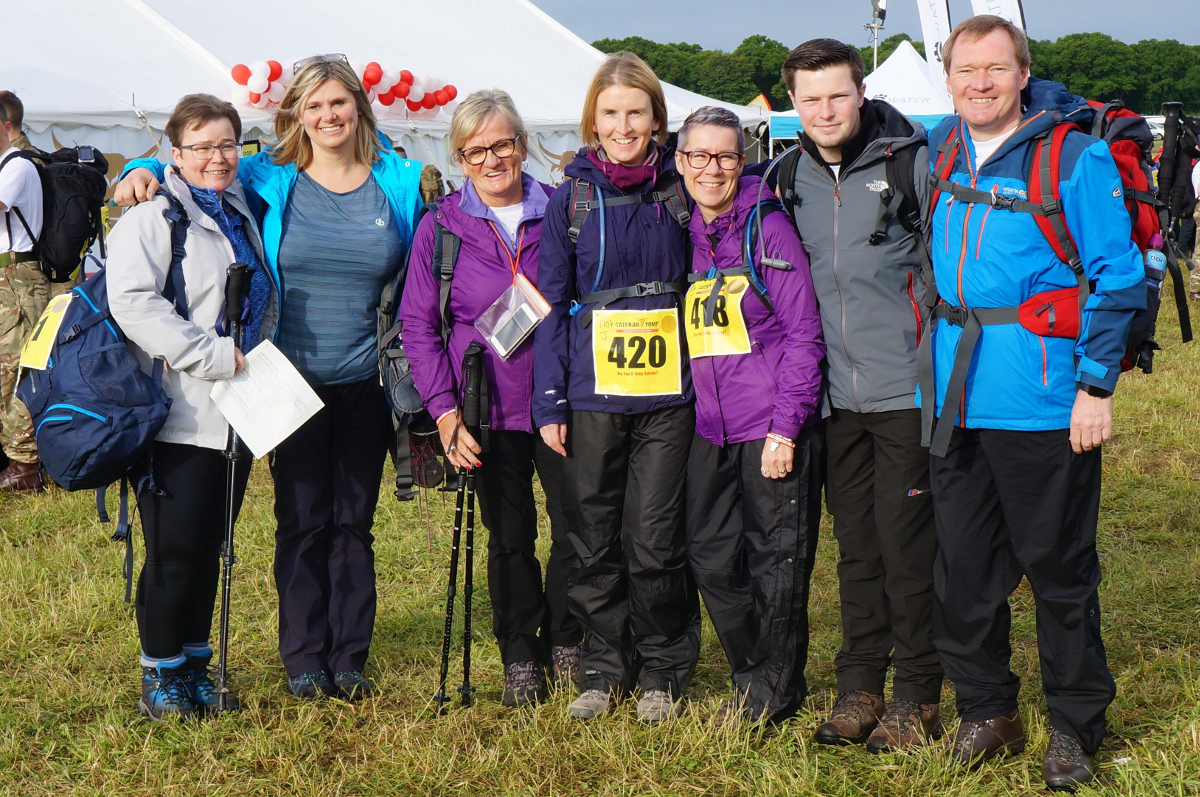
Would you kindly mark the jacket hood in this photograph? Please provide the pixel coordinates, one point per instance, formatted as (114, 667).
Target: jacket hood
(582, 167)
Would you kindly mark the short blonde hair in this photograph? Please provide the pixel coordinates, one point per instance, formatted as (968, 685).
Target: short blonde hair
(294, 146)
(623, 69)
(975, 28)
(475, 111)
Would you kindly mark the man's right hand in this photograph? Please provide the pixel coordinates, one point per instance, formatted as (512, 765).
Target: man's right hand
(555, 436)
(140, 185)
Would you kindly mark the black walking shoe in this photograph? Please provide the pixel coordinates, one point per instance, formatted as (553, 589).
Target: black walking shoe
(565, 662)
(524, 684)
(165, 694)
(200, 686)
(352, 685)
(311, 685)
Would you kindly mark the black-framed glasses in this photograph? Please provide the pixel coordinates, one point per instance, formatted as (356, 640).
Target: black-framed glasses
(330, 57)
(699, 159)
(203, 152)
(501, 149)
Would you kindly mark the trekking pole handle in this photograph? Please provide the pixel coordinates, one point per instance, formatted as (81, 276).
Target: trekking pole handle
(235, 291)
(472, 387)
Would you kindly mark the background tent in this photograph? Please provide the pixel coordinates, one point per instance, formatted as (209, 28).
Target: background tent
(110, 74)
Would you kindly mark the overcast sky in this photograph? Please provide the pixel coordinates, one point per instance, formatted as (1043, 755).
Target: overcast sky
(720, 24)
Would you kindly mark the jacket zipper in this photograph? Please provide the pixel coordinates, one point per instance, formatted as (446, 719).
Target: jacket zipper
(1042, 341)
(837, 198)
(916, 310)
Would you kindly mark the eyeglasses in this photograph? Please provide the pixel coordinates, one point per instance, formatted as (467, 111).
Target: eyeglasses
(203, 152)
(329, 57)
(501, 149)
(699, 159)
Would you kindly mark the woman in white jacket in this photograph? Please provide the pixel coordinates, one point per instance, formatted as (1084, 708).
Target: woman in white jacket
(182, 509)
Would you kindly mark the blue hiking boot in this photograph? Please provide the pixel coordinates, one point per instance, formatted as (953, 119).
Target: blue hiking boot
(200, 685)
(311, 685)
(352, 685)
(165, 693)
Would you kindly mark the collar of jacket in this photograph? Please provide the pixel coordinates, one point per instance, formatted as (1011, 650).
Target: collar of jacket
(583, 168)
(732, 220)
(533, 201)
(182, 190)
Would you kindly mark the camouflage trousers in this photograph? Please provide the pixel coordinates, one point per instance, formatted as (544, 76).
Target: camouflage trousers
(24, 293)
(1194, 286)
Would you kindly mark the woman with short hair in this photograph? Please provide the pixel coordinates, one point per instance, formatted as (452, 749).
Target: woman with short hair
(496, 217)
(182, 503)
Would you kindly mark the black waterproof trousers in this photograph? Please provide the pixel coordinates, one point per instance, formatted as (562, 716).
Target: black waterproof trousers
(751, 546)
(1012, 504)
(878, 494)
(327, 478)
(184, 529)
(631, 588)
(520, 607)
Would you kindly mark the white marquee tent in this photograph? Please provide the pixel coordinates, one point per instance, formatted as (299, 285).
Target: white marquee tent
(111, 72)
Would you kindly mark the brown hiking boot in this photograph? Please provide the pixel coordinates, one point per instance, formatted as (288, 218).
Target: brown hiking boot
(976, 741)
(21, 477)
(1066, 767)
(854, 716)
(906, 724)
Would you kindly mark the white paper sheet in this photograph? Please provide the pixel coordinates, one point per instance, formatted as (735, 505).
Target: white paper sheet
(267, 401)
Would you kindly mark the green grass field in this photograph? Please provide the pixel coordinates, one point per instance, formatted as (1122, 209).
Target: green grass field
(69, 677)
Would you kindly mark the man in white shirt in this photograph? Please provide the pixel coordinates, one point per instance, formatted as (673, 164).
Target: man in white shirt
(24, 292)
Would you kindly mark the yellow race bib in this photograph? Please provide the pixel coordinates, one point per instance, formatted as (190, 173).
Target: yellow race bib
(36, 353)
(636, 352)
(727, 333)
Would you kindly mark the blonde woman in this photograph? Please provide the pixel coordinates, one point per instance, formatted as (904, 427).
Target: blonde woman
(613, 395)
(337, 210)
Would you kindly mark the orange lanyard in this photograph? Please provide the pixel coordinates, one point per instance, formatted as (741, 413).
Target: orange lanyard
(515, 264)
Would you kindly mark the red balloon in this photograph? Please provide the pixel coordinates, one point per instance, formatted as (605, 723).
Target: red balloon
(276, 71)
(429, 101)
(240, 74)
(441, 96)
(406, 76)
(401, 90)
(413, 106)
(372, 74)
(451, 92)
(386, 99)
(255, 97)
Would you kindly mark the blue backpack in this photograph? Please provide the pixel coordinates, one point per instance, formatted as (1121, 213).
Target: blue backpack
(95, 412)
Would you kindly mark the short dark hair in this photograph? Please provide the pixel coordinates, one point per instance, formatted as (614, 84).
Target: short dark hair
(818, 54)
(195, 110)
(13, 110)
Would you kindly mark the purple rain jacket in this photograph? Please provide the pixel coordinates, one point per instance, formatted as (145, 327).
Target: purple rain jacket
(481, 274)
(776, 387)
(644, 243)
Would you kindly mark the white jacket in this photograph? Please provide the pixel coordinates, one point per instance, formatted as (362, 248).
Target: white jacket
(139, 256)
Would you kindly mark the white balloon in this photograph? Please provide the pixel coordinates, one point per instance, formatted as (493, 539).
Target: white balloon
(371, 95)
(383, 86)
(257, 83)
(260, 68)
(262, 101)
(240, 95)
(359, 67)
(285, 77)
(450, 106)
(391, 76)
(275, 93)
(416, 93)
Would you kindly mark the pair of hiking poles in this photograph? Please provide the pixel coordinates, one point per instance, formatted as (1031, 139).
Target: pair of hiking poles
(474, 418)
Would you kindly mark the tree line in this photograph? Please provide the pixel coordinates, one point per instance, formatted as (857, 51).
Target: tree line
(1097, 66)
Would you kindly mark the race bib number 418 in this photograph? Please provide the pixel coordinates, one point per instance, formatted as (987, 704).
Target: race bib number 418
(636, 352)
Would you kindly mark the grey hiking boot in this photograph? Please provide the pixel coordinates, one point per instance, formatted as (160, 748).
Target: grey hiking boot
(524, 684)
(591, 704)
(657, 706)
(565, 660)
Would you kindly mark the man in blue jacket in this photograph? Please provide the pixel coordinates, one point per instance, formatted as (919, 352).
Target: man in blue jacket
(1025, 354)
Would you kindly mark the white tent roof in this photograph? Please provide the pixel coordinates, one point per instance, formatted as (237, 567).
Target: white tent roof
(903, 81)
(105, 63)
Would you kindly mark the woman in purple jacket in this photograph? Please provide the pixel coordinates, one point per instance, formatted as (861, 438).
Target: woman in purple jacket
(497, 216)
(754, 471)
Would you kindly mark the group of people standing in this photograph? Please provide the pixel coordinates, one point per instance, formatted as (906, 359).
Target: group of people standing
(704, 360)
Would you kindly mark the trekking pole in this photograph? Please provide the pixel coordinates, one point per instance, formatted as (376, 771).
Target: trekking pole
(440, 699)
(235, 286)
(473, 391)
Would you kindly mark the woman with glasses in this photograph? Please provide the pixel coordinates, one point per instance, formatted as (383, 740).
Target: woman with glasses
(613, 396)
(182, 505)
(337, 210)
(497, 218)
(754, 471)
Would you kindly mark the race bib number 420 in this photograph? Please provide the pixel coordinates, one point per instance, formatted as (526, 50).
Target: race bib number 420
(637, 352)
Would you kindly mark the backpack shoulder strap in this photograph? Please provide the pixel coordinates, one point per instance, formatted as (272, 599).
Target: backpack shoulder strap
(581, 196)
(787, 181)
(939, 179)
(446, 246)
(676, 201)
(175, 289)
(1043, 182)
(901, 178)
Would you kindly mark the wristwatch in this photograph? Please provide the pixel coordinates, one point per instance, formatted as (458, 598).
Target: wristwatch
(1097, 392)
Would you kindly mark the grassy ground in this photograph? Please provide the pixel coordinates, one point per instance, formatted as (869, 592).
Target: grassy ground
(68, 651)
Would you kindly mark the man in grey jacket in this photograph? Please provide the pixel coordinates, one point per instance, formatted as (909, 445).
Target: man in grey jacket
(856, 189)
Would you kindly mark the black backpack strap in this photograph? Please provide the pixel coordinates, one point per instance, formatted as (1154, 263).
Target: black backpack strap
(787, 181)
(581, 203)
(445, 256)
(175, 290)
(402, 458)
(1100, 121)
(123, 532)
(900, 169)
(673, 197)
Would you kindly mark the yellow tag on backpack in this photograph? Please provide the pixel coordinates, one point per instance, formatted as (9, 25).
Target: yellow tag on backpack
(637, 353)
(36, 352)
(726, 333)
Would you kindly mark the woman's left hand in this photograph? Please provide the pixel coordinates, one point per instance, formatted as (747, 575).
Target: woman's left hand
(778, 463)
(239, 361)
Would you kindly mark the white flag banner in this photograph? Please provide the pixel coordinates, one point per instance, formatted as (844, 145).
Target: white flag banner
(1009, 9)
(935, 29)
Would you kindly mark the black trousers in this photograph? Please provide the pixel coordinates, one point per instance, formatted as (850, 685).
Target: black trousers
(327, 477)
(751, 546)
(631, 588)
(878, 494)
(520, 606)
(184, 530)
(1007, 505)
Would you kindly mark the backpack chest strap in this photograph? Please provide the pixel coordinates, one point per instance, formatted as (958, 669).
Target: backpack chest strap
(601, 299)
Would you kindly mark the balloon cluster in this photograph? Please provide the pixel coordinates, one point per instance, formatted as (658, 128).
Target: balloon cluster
(263, 83)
